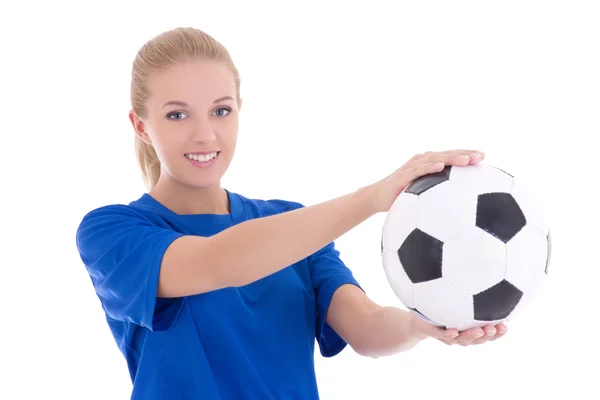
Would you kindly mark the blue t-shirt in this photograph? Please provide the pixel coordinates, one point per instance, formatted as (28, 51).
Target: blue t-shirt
(250, 342)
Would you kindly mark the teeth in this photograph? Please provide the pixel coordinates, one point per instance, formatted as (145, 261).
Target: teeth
(202, 158)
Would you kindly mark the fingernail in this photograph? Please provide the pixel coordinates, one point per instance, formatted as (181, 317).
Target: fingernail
(491, 332)
(451, 334)
(476, 156)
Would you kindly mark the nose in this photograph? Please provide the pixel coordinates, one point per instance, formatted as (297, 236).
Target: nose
(203, 131)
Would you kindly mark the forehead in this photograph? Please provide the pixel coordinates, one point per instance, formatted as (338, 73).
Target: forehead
(193, 82)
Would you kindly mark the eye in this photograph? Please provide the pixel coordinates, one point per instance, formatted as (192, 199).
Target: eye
(227, 109)
(176, 115)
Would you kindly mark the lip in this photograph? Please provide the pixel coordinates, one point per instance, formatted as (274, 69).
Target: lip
(202, 153)
(202, 164)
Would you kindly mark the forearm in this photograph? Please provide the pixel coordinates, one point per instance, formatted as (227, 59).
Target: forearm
(388, 330)
(257, 248)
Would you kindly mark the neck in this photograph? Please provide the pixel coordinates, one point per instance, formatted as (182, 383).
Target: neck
(188, 200)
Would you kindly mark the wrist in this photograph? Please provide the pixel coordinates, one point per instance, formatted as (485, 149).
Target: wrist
(391, 331)
(418, 329)
(366, 196)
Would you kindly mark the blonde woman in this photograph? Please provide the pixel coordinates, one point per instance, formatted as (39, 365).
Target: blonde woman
(213, 295)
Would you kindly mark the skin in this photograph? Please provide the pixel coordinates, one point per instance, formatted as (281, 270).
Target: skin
(201, 125)
(209, 122)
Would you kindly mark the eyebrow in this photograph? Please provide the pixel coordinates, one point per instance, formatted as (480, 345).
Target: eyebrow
(183, 104)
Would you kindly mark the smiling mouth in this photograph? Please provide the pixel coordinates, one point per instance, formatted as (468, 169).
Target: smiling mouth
(202, 157)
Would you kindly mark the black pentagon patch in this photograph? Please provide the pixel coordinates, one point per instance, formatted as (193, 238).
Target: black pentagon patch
(548, 256)
(426, 182)
(499, 215)
(426, 319)
(497, 302)
(421, 256)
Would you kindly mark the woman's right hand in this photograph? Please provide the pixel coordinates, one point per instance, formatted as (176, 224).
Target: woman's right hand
(384, 193)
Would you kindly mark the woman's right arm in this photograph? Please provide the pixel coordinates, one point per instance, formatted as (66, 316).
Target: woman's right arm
(257, 248)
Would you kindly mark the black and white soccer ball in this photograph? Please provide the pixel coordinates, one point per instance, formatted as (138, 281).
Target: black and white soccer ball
(466, 247)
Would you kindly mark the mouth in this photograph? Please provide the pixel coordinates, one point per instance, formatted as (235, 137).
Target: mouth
(202, 157)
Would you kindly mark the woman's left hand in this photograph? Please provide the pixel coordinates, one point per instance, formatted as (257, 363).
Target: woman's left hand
(472, 336)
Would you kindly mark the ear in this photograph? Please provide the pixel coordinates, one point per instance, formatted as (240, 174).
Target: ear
(139, 127)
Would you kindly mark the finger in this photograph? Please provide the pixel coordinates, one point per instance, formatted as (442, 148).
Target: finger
(446, 336)
(446, 158)
(481, 340)
(501, 330)
(465, 152)
(453, 158)
(418, 170)
(435, 162)
(470, 335)
(439, 332)
(415, 169)
(449, 334)
(436, 332)
(457, 152)
(475, 158)
(489, 332)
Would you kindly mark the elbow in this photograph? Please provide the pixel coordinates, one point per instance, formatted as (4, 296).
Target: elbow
(383, 332)
(377, 351)
(366, 350)
(364, 343)
(189, 267)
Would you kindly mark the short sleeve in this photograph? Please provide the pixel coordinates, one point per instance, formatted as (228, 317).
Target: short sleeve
(122, 251)
(328, 273)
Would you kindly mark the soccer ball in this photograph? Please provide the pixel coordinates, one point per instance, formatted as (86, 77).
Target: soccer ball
(465, 247)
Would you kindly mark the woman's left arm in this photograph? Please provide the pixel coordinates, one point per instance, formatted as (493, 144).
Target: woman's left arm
(375, 331)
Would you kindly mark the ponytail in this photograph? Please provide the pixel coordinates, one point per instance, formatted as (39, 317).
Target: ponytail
(148, 162)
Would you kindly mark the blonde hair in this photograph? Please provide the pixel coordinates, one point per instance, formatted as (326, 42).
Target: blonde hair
(159, 53)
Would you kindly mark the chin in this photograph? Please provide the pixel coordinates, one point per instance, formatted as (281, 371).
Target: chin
(200, 184)
(202, 178)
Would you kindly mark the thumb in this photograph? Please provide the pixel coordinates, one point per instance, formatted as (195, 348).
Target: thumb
(440, 333)
(424, 329)
(447, 334)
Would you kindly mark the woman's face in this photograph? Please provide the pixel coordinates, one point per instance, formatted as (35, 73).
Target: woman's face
(192, 121)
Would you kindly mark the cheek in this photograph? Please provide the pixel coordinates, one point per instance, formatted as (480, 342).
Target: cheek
(167, 147)
(229, 136)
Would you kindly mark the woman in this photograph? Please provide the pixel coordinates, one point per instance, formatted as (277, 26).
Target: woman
(213, 295)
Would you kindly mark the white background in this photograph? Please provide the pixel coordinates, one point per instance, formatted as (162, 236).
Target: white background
(356, 89)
